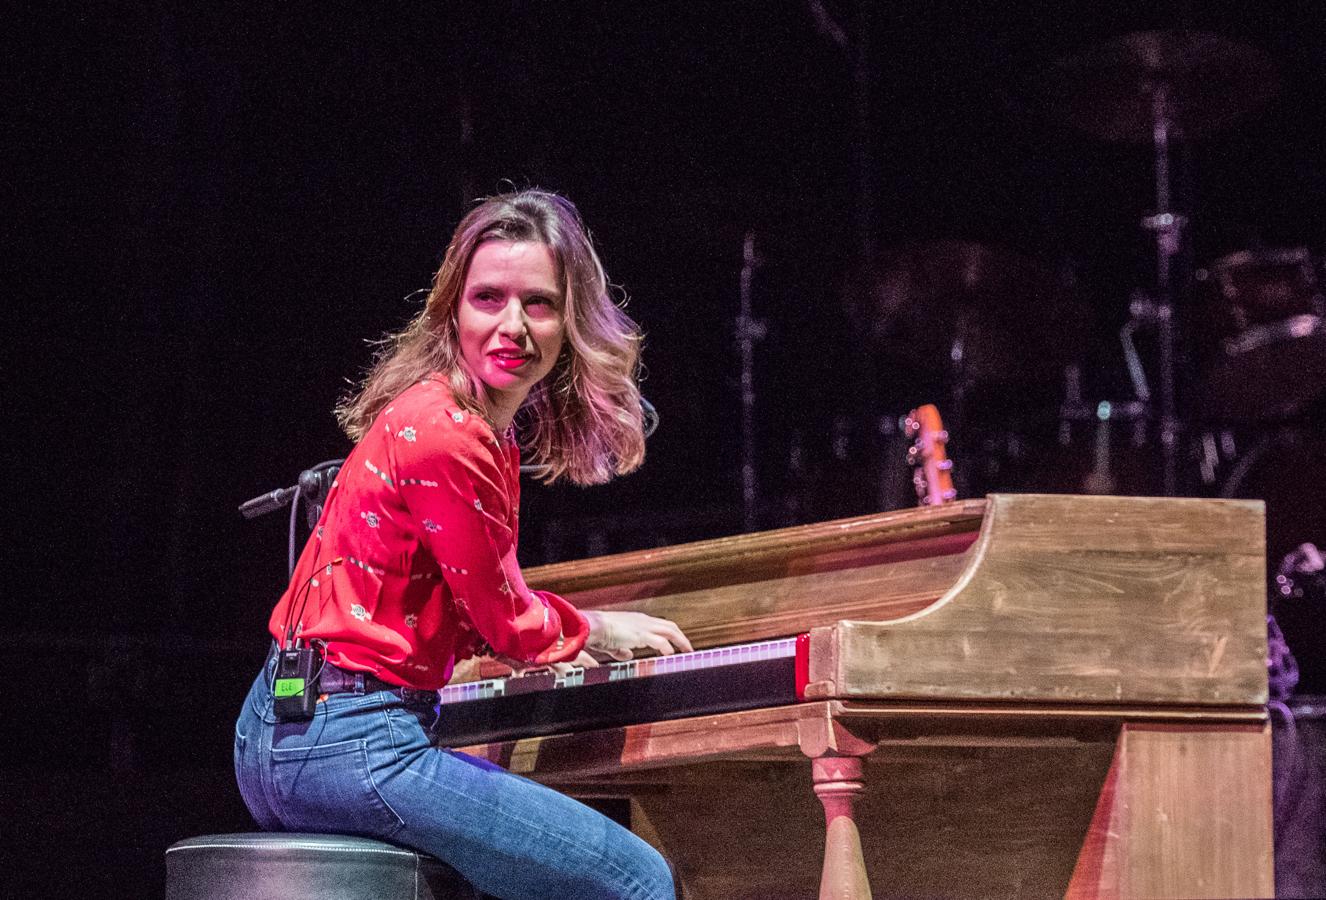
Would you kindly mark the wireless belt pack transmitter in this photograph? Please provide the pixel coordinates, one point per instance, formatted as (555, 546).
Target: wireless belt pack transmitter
(294, 688)
(294, 685)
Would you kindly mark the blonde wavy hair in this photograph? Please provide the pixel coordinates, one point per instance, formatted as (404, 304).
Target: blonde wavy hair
(583, 421)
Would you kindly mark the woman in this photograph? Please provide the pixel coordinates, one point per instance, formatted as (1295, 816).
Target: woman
(412, 567)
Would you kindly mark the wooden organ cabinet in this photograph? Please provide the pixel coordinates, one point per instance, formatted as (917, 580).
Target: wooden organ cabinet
(1022, 696)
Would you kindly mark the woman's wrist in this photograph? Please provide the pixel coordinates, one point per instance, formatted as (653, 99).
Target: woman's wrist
(598, 628)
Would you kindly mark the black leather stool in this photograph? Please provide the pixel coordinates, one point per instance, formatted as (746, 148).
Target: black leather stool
(275, 866)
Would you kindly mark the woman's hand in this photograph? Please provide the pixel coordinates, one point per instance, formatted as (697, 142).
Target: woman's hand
(582, 661)
(618, 633)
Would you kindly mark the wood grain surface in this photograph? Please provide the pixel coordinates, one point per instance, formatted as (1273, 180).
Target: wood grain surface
(1052, 696)
(1078, 599)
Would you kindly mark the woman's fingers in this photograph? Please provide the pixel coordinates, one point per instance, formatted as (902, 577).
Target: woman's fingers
(660, 644)
(618, 633)
(665, 637)
(674, 635)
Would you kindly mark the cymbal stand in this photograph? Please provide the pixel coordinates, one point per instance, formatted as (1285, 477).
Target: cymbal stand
(1168, 229)
(1167, 226)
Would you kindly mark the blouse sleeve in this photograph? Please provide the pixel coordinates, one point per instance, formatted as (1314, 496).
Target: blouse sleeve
(454, 488)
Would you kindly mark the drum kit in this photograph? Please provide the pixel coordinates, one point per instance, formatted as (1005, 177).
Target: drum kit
(1224, 370)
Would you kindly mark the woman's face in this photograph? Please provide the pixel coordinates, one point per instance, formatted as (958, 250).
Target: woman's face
(509, 321)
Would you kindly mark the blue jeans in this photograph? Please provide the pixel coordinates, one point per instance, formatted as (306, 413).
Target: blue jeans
(364, 765)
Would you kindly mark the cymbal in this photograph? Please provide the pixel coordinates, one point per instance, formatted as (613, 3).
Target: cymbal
(1269, 373)
(1204, 81)
(973, 312)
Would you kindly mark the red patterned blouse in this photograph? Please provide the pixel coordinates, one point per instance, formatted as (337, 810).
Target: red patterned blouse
(423, 515)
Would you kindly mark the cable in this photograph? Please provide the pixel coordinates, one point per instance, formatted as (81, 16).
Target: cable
(290, 539)
(309, 587)
(321, 646)
(288, 632)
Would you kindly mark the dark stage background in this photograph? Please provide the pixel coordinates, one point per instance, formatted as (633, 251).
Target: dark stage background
(209, 212)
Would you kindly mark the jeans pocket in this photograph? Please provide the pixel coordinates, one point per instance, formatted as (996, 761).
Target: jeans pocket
(408, 729)
(330, 788)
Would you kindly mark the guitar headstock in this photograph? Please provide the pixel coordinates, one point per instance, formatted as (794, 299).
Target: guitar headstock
(931, 467)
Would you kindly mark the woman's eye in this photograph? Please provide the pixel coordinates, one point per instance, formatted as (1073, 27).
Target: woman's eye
(541, 307)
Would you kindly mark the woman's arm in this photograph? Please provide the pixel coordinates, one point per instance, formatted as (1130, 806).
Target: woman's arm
(450, 476)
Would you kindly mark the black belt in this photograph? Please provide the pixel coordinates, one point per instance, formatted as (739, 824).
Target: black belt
(335, 680)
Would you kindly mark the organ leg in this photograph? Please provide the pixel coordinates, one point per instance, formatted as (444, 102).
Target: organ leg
(837, 784)
(836, 768)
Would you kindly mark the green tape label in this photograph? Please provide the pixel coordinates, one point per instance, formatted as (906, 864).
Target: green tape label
(289, 687)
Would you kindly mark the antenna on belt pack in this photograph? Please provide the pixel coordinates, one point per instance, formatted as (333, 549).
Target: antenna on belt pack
(293, 691)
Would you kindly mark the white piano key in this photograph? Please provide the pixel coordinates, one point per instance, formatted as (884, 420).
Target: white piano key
(624, 671)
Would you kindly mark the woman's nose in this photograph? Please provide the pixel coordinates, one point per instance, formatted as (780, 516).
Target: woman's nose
(512, 323)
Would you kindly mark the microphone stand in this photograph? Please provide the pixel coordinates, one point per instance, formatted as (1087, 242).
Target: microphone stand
(313, 486)
(749, 331)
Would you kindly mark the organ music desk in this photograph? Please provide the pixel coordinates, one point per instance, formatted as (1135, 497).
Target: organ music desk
(1021, 696)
